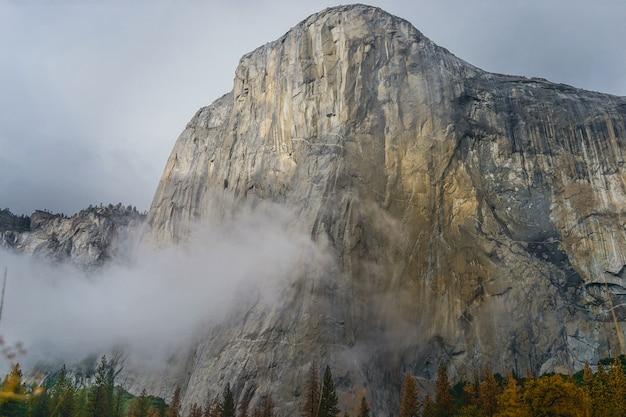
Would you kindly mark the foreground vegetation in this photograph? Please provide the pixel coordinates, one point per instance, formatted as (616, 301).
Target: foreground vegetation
(586, 394)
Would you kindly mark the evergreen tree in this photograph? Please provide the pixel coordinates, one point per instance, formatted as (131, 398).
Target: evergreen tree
(227, 408)
(100, 402)
(175, 405)
(328, 399)
(81, 400)
(162, 410)
(444, 401)
(312, 394)
(429, 407)
(39, 401)
(62, 396)
(118, 402)
(488, 392)
(409, 403)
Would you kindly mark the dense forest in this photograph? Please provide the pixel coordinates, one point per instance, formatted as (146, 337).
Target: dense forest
(588, 393)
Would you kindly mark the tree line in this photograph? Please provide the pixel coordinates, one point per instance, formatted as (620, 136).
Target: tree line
(598, 392)
(10, 221)
(585, 394)
(60, 396)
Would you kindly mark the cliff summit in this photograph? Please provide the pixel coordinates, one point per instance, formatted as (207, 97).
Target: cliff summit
(476, 218)
(470, 218)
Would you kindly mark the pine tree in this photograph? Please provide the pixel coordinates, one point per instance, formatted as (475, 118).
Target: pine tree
(429, 407)
(312, 395)
(444, 401)
(62, 396)
(227, 408)
(81, 399)
(409, 403)
(39, 404)
(118, 402)
(328, 399)
(175, 405)
(488, 392)
(100, 402)
(470, 393)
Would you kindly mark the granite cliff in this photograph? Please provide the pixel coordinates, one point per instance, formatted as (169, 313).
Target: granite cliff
(87, 239)
(464, 217)
(475, 218)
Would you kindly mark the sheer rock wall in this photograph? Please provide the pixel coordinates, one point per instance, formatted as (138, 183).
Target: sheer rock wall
(475, 218)
(87, 239)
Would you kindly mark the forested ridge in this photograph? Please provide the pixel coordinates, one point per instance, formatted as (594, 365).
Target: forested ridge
(598, 391)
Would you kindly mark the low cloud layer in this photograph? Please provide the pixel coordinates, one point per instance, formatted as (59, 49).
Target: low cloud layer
(158, 303)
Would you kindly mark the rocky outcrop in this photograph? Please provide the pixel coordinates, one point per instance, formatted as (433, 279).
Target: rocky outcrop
(87, 239)
(475, 218)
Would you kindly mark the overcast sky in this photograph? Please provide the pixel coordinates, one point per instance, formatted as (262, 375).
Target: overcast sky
(94, 93)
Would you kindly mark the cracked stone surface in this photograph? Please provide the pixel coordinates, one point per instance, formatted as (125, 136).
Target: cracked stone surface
(474, 218)
(87, 239)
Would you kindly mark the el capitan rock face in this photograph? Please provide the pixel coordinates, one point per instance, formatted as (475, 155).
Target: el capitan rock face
(474, 218)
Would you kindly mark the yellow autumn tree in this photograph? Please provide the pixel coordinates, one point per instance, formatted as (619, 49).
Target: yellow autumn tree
(599, 397)
(409, 404)
(428, 410)
(616, 388)
(13, 397)
(554, 396)
(444, 400)
(488, 392)
(470, 391)
(510, 402)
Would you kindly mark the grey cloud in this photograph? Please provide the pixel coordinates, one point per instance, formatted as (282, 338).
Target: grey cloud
(114, 83)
